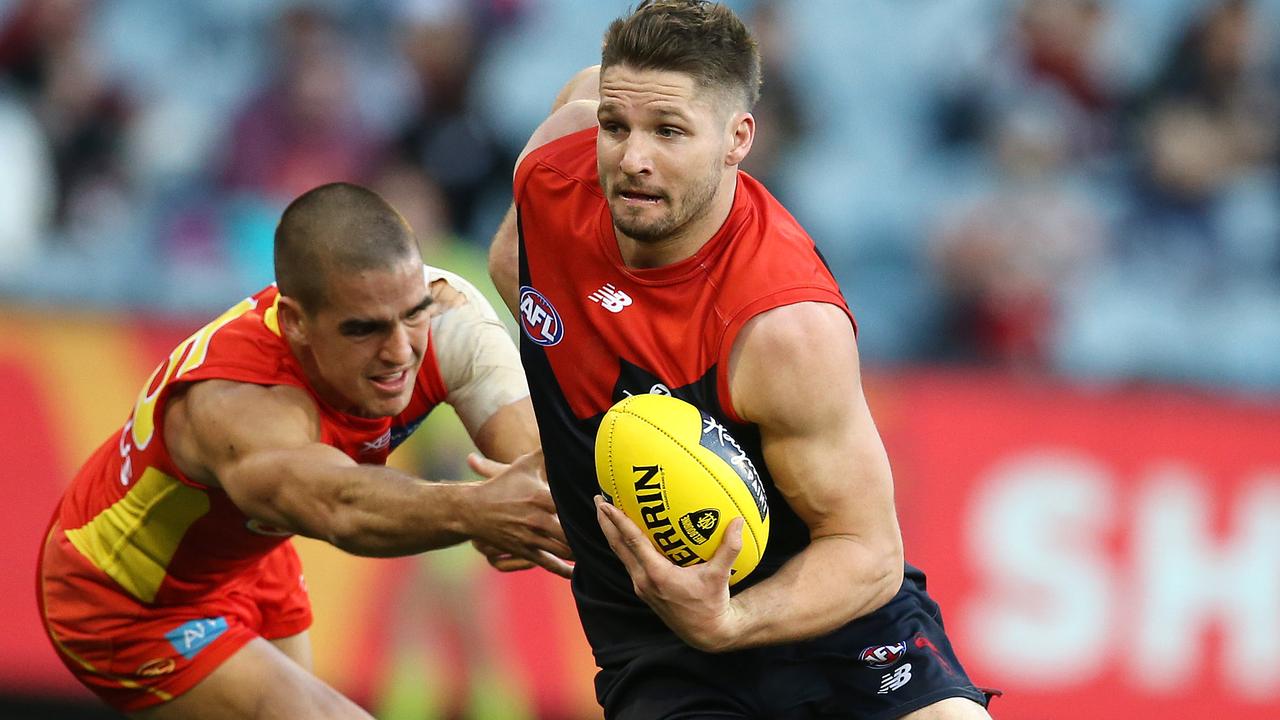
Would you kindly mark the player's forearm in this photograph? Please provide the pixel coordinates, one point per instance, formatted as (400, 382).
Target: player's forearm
(377, 511)
(836, 579)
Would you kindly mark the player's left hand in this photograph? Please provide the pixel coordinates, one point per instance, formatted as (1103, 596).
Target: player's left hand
(693, 601)
(513, 513)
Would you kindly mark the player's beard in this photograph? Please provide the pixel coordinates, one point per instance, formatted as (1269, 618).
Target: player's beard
(692, 205)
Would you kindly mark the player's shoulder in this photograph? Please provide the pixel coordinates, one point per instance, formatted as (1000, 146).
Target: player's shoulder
(217, 402)
(796, 327)
(247, 334)
(213, 418)
(244, 344)
(769, 259)
(786, 360)
(463, 324)
(563, 147)
(569, 120)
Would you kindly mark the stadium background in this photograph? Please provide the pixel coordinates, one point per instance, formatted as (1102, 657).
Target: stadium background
(1058, 222)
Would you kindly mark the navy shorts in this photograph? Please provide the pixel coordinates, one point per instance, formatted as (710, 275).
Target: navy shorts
(882, 666)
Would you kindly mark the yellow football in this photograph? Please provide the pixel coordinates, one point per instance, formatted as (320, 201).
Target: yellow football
(679, 475)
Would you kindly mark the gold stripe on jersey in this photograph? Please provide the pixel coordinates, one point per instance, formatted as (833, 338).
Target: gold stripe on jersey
(133, 540)
(271, 317)
(191, 352)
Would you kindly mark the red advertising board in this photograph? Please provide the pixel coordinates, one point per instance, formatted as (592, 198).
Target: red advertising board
(1097, 554)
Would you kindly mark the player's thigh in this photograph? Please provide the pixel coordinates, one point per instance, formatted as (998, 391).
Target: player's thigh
(298, 648)
(955, 708)
(259, 682)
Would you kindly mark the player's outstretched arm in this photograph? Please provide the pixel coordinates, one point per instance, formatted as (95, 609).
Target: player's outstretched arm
(261, 445)
(793, 372)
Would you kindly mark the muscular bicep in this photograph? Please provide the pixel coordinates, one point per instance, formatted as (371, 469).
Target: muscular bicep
(262, 446)
(794, 372)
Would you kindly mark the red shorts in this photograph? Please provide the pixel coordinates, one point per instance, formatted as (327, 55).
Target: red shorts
(134, 655)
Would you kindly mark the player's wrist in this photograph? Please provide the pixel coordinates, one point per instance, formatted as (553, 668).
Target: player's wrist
(462, 515)
(720, 634)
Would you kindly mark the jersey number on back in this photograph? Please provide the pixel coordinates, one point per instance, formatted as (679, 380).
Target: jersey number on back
(189, 355)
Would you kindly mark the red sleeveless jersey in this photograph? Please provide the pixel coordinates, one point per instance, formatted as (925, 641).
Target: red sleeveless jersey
(167, 539)
(682, 318)
(595, 331)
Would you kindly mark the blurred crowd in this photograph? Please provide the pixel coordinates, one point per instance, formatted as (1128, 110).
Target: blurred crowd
(1085, 188)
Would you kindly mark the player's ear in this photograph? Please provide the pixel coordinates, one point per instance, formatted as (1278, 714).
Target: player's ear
(293, 321)
(743, 129)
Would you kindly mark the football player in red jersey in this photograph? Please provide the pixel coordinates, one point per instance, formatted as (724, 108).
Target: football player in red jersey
(167, 582)
(631, 188)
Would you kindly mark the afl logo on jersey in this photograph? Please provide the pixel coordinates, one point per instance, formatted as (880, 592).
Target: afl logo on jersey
(538, 318)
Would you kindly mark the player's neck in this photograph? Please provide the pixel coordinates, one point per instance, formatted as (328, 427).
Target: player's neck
(685, 241)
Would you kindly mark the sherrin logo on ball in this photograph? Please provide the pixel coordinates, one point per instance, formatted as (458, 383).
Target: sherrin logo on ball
(681, 477)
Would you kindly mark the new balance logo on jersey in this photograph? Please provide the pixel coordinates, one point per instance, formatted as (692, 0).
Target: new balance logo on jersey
(382, 442)
(610, 298)
(894, 680)
(657, 389)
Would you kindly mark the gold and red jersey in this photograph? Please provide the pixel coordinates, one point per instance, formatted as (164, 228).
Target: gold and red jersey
(166, 539)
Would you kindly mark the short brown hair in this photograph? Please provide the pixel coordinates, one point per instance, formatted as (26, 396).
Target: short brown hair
(336, 228)
(700, 38)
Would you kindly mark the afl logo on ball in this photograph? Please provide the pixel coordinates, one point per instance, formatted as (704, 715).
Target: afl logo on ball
(883, 656)
(538, 318)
